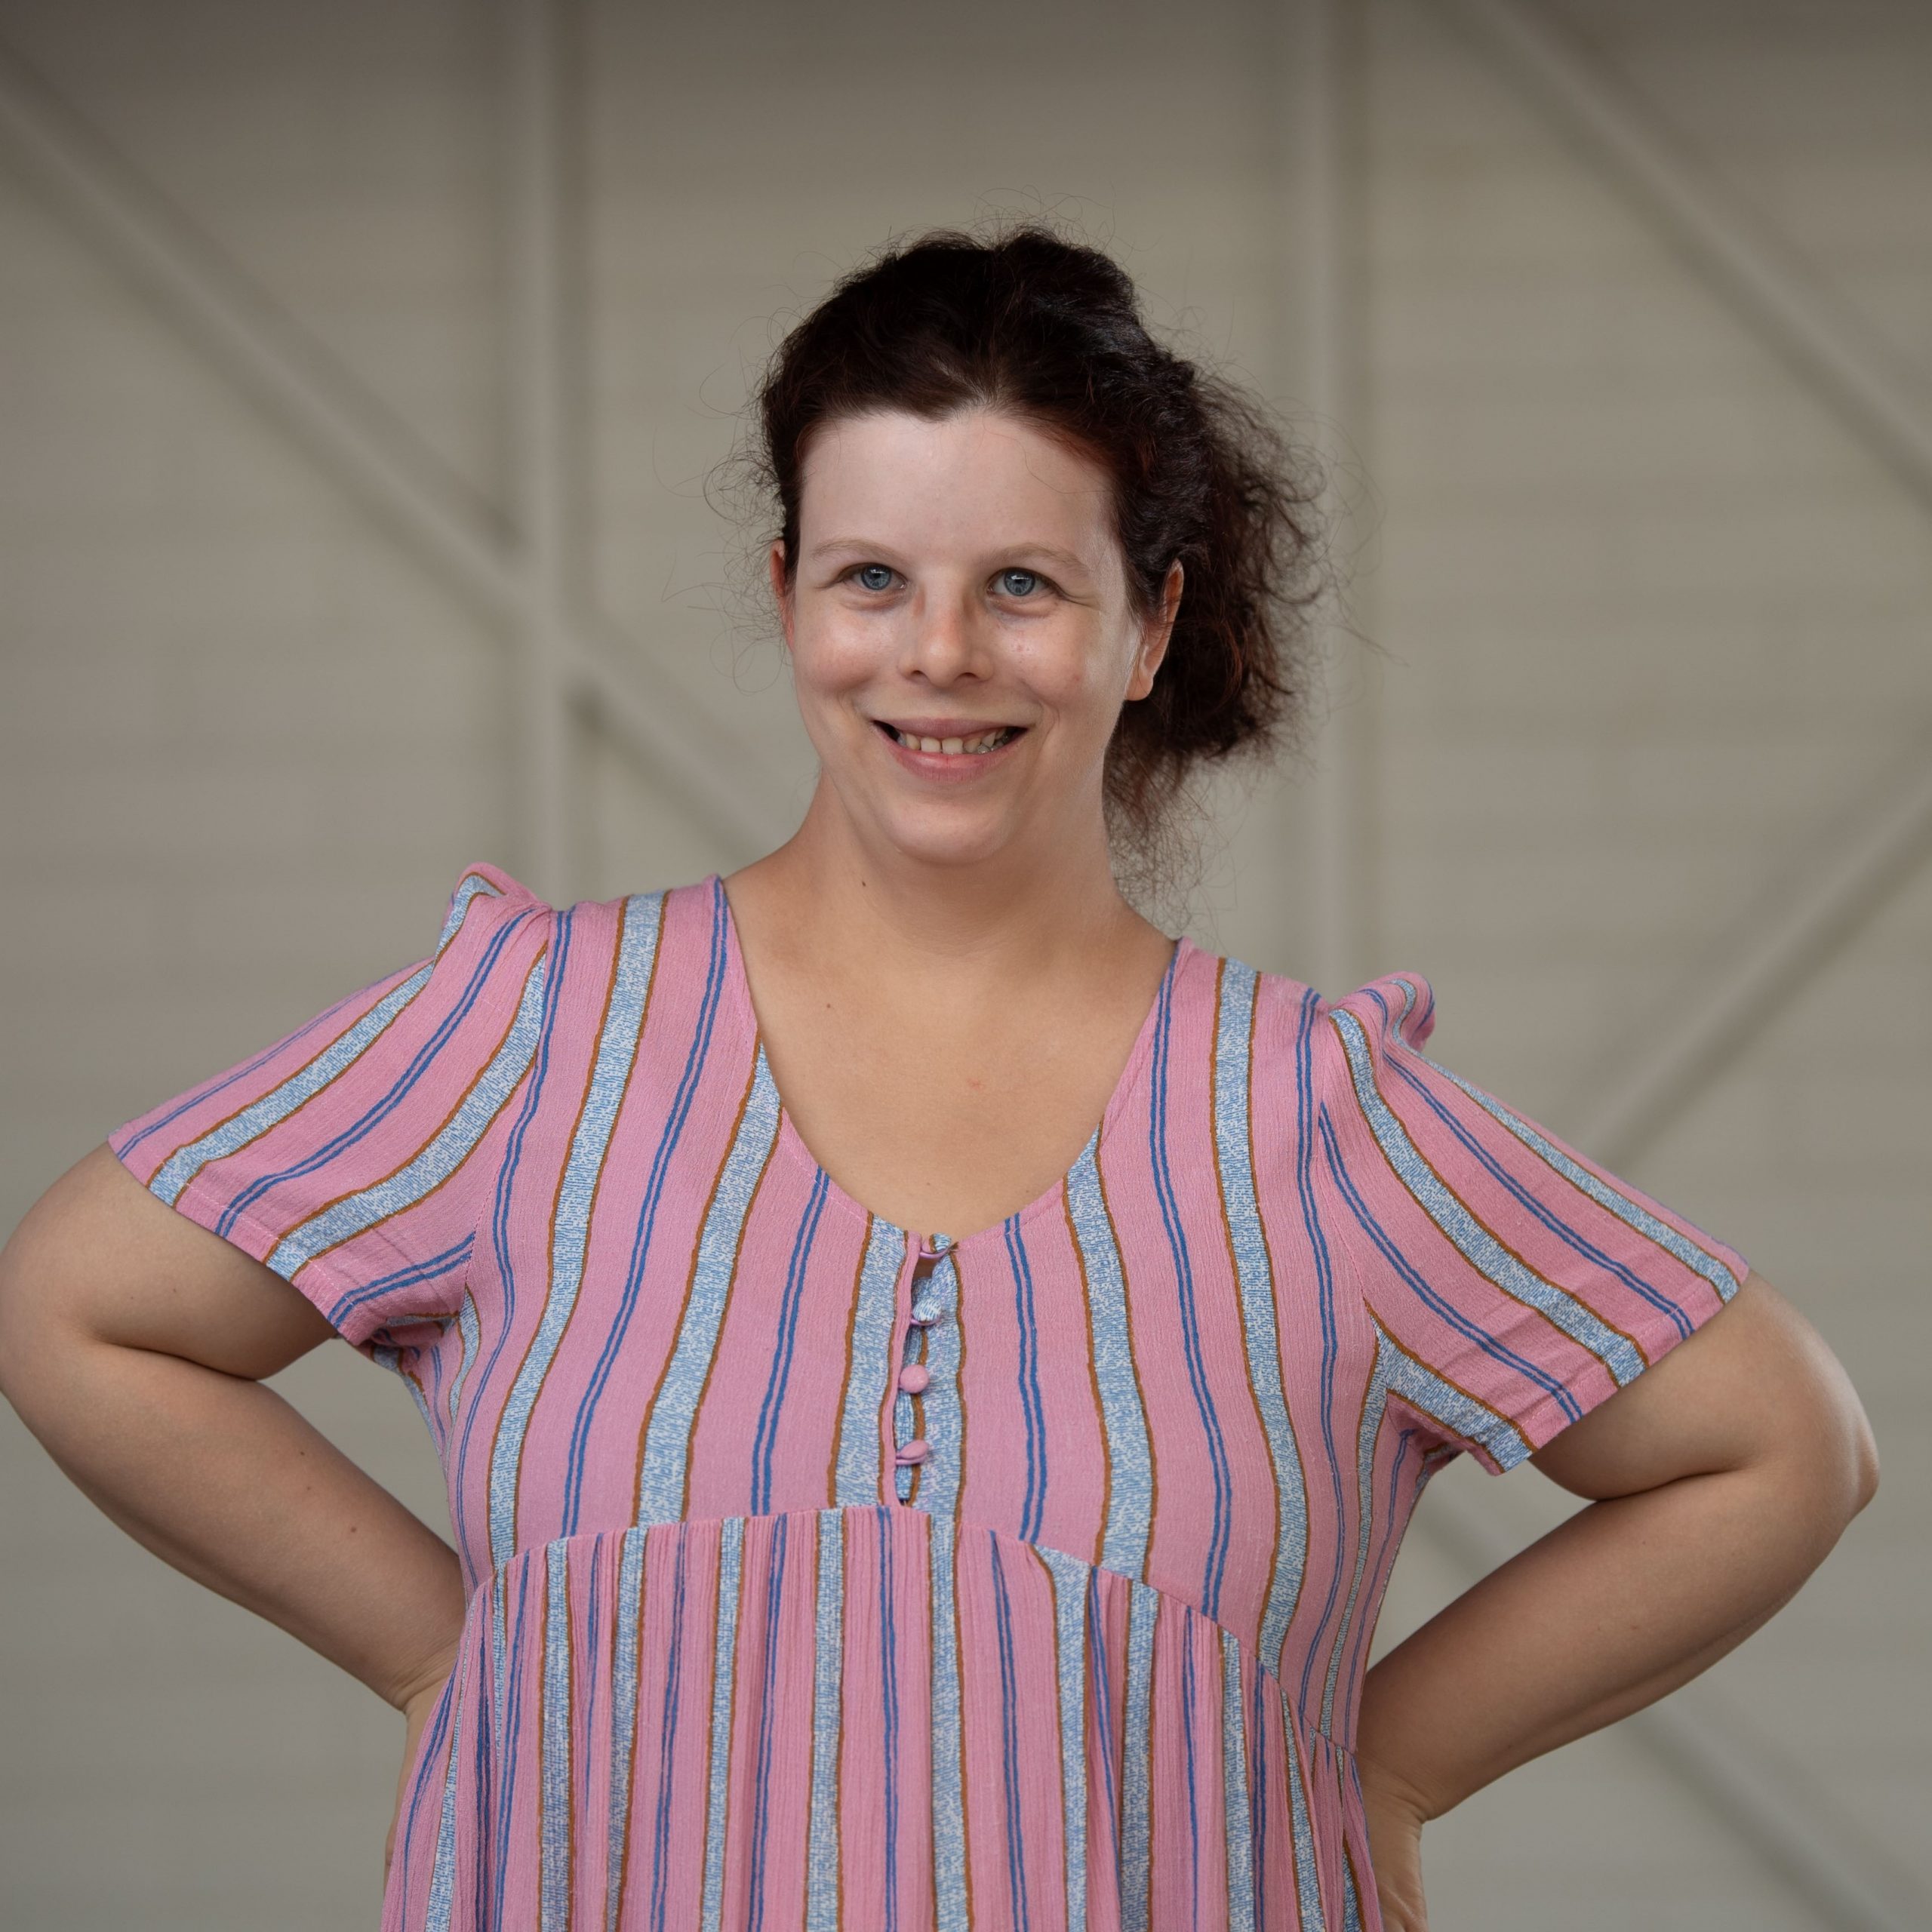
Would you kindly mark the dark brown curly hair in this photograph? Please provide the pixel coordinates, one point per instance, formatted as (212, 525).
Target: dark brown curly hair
(1050, 330)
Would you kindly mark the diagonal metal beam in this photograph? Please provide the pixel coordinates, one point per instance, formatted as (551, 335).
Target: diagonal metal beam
(253, 344)
(1767, 283)
(1703, 1029)
(1767, 1804)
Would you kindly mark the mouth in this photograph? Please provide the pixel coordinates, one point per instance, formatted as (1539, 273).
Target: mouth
(977, 745)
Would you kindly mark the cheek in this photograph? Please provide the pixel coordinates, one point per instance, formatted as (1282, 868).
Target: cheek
(1075, 672)
(830, 655)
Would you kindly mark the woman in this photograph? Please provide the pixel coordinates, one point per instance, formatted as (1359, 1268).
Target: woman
(815, 1569)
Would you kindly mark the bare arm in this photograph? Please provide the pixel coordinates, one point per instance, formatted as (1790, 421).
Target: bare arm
(132, 1344)
(1720, 1478)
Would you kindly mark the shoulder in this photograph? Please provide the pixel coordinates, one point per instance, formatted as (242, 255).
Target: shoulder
(1392, 1011)
(486, 894)
(495, 928)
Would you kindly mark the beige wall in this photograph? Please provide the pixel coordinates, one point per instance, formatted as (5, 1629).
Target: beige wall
(1653, 624)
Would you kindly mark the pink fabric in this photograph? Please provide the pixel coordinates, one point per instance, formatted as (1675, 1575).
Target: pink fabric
(1095, 1660)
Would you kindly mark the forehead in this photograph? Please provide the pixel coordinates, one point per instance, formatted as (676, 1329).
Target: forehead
(980, 478)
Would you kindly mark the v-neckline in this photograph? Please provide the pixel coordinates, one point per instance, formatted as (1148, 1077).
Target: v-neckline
(737, 988)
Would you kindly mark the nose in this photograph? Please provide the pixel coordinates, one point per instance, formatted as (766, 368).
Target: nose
(943, 639)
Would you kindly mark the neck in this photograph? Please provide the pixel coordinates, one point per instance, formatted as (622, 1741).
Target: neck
(830, 893)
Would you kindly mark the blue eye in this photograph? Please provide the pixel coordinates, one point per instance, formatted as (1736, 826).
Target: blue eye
(1033, 578)
(867, 580)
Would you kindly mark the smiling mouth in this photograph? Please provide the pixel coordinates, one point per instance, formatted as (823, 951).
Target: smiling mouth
(975, 746)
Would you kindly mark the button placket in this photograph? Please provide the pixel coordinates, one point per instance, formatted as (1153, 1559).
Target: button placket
(910, 1447)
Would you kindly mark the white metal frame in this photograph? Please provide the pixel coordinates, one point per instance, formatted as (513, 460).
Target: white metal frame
(1764, 1798)
(516, 581)
(524, 578)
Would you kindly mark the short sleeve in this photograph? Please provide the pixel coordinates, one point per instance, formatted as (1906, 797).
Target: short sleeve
(341, 1156)
(1513, 1283)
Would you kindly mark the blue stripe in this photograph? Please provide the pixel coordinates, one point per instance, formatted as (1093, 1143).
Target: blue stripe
(554, 1879)
(1032, 1408)
(1101, 1687)
(1700, 1261)
(764, 1440)
(674, 1411)
(510, 1728)
(411, 1275)
(1193, 1771)
(731, 1561)
(500, 1220)
(1221, 1526)
(860, 1465)
(242, 1076)
(1260, 1785)
(472, 1336)
(442, 1869)
(571, 1213)
(1143, 1609)
(822, 1870)
(1123, 1416)
(774, 1597)
(434, 1736)
(1233, 1037)
(949, 1774)
(447, 1150)
(618, 1327)
(1472, 1239)
(1070, 1578)
(1324, 1295)
(1241, 1878)
(617, 1047)
(1374, 1398)
(1307, 1883)
(467, 889)
(254, 1121)
(1406, 1439)
(667, 1740)
(1480, 1422)
(623, 1715)
(1016, 1824)
(888, 1691)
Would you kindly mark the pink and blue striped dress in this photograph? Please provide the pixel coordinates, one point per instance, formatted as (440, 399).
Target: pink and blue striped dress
(825, 1574)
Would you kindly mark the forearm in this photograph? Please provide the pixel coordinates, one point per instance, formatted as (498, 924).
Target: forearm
(220, 1477)
(1619, 1604)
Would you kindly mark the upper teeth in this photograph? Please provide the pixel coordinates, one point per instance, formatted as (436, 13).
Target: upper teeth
(984, 742)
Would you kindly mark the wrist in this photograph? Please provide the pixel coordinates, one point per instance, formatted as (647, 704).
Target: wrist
(427, 1679)
(1386, 1752)
(1385, 1788)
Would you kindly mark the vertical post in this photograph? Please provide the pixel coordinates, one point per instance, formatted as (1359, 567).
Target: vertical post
(541, 444)
(1326, 273)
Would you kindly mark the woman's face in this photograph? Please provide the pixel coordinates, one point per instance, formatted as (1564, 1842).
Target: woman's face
(956, 578)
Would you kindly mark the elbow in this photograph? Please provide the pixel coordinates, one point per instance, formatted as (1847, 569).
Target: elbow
(1865, 1460)
(1843, 1458)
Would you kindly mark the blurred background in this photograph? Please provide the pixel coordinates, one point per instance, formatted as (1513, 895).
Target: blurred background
(361, 368)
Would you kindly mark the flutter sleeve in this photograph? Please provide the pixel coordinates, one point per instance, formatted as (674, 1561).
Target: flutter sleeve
(1513, 1283)
(343, 1155)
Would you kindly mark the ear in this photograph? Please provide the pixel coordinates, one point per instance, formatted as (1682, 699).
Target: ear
(775, 562)
(1155, 633)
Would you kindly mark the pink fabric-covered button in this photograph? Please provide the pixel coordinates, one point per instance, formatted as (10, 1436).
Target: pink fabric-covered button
(914, 1451)
(913, 1377)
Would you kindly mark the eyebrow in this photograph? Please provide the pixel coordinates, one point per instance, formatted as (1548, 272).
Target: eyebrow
(831, 543)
